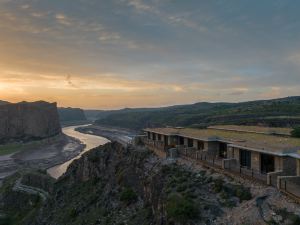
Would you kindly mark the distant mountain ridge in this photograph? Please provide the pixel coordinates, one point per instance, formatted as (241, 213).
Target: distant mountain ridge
(3, 102)
(282, 112)
(71, 114)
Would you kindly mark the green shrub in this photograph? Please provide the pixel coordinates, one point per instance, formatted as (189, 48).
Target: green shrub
(243, 193)
(181, 209)
(5, 221)
(296, 132)
(128, 195)
(218, 185)
(290, 216)
(181, 187)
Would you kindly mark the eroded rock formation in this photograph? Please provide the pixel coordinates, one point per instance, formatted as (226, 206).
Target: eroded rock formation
(26, 121)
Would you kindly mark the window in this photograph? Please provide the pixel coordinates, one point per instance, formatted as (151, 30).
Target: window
(149, 135)
(166, 139)
(266, 163)
(181, 141)
(200, 145)
(154, 136)
(159, 137)
(223, 150)
(245, 158)
(190, 142)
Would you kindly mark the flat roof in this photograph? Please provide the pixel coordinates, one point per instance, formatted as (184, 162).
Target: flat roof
(253, 141)
(254, 129)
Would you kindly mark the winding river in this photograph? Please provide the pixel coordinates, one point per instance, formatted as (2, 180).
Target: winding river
(91, 141)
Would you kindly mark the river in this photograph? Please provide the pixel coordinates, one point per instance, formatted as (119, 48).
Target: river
(91, 141)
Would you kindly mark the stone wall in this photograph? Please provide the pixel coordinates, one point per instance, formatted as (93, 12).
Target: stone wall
(28, 121)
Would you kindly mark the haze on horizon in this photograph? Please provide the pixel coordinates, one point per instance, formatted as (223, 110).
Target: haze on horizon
(135, 53)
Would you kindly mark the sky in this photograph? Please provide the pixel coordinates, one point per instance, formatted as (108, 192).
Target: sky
(110, 54)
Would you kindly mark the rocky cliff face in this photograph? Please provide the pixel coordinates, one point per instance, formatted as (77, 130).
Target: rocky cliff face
(113, 185)
(26, 121)
(116, 185)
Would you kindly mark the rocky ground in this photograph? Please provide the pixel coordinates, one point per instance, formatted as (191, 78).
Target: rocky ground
(40, 155)
(130, 185)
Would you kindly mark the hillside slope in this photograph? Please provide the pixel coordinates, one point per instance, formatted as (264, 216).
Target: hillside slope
(115, 185)
(277, 112)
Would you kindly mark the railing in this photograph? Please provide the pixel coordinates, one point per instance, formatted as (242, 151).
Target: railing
(290, 185)
(248, 172)
(211, 160)
(199, 155)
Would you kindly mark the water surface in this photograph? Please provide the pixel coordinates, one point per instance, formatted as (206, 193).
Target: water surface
(91, 141)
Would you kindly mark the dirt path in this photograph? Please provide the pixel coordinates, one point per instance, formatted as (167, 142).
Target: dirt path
(19, 187)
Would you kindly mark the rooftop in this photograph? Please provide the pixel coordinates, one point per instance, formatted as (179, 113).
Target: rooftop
(254, 141)
(254, 129)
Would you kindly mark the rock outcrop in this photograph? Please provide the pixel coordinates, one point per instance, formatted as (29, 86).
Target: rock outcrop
(26, 121)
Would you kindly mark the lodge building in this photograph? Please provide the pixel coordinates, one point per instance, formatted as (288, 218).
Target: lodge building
(268, 155)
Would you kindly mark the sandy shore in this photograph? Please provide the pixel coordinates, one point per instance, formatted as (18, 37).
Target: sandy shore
(121, 135)
(48, 153)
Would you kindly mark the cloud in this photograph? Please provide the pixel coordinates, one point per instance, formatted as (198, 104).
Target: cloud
(184, 51)
(107, 36)
(63, 19)
(239, 91)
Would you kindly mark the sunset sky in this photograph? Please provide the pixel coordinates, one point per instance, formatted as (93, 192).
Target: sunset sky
(105, 54)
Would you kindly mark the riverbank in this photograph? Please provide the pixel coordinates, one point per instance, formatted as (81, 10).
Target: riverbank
(121, 135)
(40, 155)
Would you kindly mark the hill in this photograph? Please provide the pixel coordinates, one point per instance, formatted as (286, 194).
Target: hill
(3, 102)
(71, 115)
(283, 112)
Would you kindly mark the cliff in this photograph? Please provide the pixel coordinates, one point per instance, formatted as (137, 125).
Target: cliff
(112, 184)
(26, 121)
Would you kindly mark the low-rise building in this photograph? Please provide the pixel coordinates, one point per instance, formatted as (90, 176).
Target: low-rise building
(269, 155)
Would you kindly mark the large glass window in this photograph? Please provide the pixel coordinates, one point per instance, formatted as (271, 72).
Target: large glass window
(159, 137)
(200, 145)
(245, 158)
(181, 141)
(190, 142)
(266, 163)
(223, 150)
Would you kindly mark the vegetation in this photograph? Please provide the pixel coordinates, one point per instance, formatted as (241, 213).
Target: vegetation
(128, 195)
(181, 209)
(9, 149)
(228, 191)
(287, 217)
(277, 113)
(296, 132)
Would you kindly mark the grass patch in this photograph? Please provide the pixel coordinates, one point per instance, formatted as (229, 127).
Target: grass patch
(10, 148)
